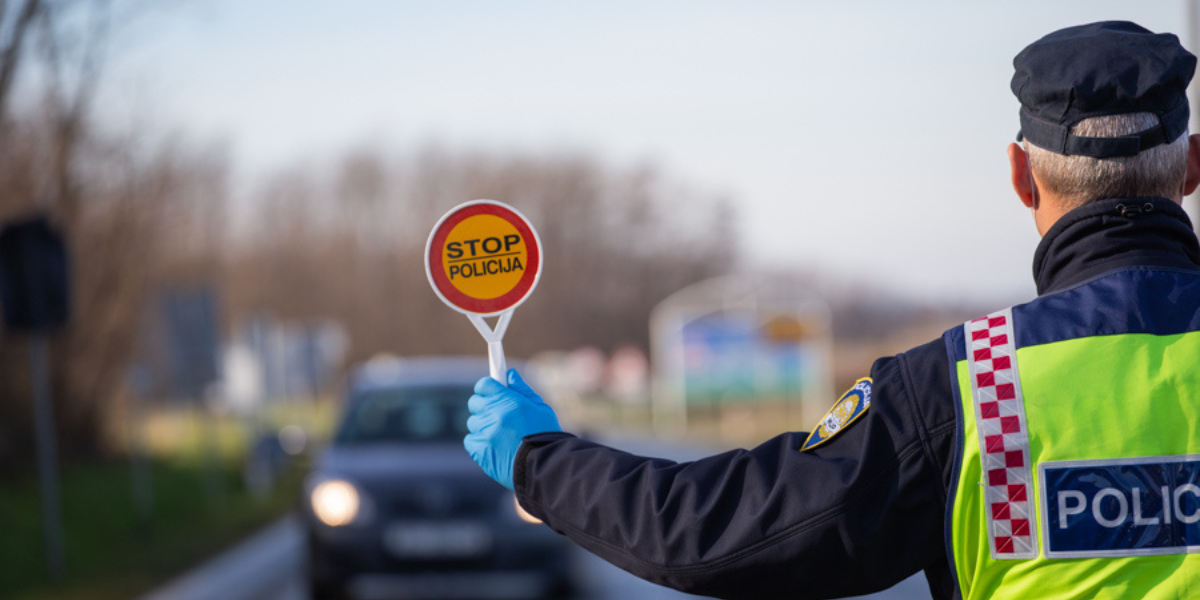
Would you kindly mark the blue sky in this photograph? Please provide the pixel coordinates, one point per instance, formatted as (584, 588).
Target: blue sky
(864, 138)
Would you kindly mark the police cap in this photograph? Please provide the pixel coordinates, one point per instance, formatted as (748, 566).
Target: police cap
(1106, 68)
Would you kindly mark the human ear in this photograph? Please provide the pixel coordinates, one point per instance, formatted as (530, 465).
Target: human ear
(1192, 179)
(1022, 178)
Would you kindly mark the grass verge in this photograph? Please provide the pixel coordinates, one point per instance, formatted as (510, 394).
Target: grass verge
(111, 553)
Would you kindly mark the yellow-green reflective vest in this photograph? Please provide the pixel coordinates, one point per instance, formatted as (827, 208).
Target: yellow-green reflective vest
(1078, 472)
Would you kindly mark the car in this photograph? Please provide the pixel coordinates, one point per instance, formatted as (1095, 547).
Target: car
(396, 508)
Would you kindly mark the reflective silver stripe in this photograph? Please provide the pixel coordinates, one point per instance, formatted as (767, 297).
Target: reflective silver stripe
(1003, 436)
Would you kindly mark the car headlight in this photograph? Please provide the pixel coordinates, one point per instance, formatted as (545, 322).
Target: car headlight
(335, 502)
(524, 514)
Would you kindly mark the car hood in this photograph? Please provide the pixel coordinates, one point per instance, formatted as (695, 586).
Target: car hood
(389, 462)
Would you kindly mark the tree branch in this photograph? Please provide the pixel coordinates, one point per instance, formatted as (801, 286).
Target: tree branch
(10, 54)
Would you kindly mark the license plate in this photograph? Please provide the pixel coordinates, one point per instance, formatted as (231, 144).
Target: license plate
(437, 540)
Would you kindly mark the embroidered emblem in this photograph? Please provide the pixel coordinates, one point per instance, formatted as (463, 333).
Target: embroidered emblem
(845, 411)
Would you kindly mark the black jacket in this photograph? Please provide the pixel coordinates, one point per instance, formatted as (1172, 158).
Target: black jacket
(853, 516)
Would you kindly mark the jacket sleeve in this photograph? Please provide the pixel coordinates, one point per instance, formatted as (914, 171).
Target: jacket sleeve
(855, 515)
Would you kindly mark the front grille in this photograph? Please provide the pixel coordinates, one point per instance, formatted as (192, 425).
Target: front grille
(440, 501)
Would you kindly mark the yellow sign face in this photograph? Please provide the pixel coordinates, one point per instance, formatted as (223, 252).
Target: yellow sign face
(484, 257)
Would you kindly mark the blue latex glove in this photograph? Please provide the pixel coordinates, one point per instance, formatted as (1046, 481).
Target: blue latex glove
(500, 417)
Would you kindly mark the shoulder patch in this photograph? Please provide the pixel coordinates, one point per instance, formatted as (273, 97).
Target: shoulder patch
(845, 411)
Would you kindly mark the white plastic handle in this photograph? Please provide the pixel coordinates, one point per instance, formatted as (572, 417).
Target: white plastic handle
(496, 363)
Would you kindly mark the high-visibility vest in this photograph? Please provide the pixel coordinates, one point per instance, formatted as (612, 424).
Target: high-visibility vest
(1078, 471)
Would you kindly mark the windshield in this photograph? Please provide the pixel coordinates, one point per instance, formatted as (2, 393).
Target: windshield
(407, 414)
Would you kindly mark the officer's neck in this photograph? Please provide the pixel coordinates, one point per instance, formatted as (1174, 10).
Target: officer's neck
(1111, 234)
(1048, 208)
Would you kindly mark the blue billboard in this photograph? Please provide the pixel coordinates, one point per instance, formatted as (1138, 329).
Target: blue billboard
(732, 357)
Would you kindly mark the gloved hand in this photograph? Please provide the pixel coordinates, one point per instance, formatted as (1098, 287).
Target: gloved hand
(500, 417)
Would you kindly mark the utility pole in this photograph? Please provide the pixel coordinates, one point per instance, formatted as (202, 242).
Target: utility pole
(1193, 43)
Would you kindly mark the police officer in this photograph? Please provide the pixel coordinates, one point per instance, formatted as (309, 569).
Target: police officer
(1047, 450)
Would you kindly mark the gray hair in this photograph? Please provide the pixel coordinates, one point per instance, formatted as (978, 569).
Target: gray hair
(1078, 180)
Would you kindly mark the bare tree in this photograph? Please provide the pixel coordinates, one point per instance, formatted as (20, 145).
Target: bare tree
(125, 202)
(349, 243)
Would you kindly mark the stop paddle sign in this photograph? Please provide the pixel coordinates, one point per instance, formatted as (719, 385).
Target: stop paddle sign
(483, 258)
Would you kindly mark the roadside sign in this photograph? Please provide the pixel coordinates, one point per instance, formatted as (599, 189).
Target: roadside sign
(193, 344)
(483, 259)
(34, 283)
(34, 278)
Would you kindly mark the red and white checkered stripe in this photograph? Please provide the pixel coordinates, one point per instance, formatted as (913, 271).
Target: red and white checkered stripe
(1003, 436)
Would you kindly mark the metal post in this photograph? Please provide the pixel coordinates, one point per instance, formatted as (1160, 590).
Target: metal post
(43, 416)
(1193, 42)
(139, 468)
(214, 481)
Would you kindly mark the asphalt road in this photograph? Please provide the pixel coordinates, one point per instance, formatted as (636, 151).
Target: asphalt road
(271, 565)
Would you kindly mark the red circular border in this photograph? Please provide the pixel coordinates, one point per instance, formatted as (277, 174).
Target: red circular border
(493, 305)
